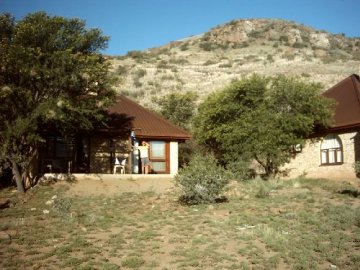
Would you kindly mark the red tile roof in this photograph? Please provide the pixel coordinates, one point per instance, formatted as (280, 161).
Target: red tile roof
(146, 123)
(347, 109)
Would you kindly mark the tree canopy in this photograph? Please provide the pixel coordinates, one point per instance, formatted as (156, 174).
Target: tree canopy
(261, 118)
(178, 108)
(52, 76)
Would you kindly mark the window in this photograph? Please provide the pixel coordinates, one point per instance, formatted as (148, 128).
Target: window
(331, 150)
(158, 150)
(158, 156)
(57, 147)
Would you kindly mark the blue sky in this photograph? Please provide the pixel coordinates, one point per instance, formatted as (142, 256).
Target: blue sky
(141, 24)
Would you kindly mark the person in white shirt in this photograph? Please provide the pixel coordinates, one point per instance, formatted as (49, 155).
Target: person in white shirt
(144, 156)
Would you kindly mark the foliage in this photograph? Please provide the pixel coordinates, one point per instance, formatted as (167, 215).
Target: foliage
(133, 262)
(52, 77)
(178, 108)
(239, 170)
(138, 56)
(121, 70)
(356, 167)
(202, 181)
(260, 118)
(140, 73)
(207, 46)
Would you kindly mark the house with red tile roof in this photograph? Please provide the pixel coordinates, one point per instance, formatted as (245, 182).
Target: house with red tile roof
(333, 151)
(115, 148)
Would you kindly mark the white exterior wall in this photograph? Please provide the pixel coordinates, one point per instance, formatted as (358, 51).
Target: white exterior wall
(174, 157)
(308, 162)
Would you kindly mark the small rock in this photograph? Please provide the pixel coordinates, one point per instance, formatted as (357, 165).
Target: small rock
(4, 236)
(54, 197)
(49, 202)
(333, 266)
(46, 212)
(33, 209)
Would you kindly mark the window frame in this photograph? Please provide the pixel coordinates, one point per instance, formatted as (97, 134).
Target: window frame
(334, 151)
(164, 159)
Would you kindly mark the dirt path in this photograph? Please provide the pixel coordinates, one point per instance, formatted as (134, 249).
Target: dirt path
(110, 185)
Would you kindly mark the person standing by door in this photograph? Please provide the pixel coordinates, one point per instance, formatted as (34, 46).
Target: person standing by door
(144, 156)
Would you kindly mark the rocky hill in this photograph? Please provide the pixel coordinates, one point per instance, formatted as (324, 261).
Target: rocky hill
(212, 60)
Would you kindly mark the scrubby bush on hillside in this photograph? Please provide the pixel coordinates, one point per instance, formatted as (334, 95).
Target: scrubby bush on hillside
(202, 181)
(121, 70)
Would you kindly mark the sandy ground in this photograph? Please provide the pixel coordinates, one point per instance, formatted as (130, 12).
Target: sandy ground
(109, 185)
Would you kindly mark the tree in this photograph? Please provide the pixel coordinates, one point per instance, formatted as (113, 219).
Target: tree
(52, 77)
(178, 108)
(261, 118)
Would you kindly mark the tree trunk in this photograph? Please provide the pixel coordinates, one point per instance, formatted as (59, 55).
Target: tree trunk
(18, 178)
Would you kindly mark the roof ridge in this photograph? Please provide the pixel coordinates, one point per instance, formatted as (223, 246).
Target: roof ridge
(355, 77)
(154, 114)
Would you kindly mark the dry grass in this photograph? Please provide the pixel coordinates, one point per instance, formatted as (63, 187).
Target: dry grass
(299, 224)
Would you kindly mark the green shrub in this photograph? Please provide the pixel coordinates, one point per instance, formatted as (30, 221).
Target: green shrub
(244, 44)
(121, 70)
(62, 206)
(299, 45)
(239, 170)
(263, 191)
(208, 46)
(356, 167)
(140, 73)
(184, 46)
(167, 77)
(356, 55)
(178, 61)
(163, 64)
(202, 181)
(137, 82)
(138, 56)
(209, 62)
(284, 39)
(226, 65)
(289, 56)
(133, 262)
(270, 58)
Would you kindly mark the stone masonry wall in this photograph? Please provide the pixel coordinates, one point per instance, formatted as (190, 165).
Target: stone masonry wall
(308, 162)
(103, 152)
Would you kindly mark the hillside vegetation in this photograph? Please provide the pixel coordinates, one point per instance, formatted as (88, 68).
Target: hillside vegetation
(210, 61)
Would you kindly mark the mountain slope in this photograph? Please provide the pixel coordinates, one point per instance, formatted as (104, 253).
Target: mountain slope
(210, 61)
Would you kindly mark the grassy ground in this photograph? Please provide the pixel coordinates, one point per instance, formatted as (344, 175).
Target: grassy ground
(295, 224)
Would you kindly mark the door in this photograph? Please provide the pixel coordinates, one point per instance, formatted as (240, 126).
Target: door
(160, 156)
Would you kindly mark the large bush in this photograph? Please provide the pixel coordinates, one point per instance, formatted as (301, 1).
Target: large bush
(261, 118)
(202, 180)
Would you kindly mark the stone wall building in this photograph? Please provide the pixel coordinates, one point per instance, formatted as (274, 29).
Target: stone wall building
(331, 153)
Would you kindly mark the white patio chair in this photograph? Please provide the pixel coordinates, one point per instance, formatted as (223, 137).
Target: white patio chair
(120, 165)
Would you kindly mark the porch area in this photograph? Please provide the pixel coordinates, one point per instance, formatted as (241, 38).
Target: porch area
(82, 184)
